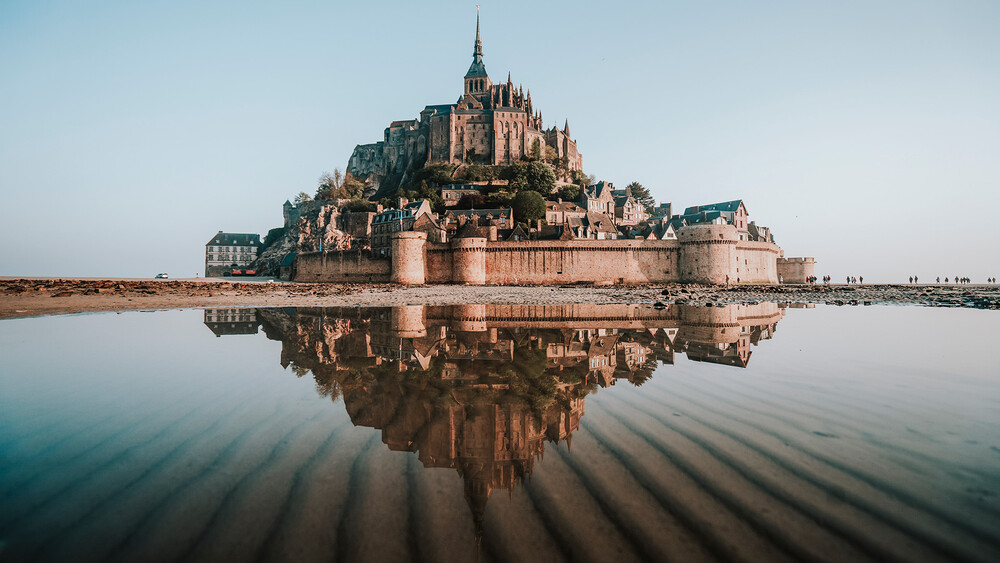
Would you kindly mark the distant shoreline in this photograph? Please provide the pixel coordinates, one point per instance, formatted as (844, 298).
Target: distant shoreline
(30, 297)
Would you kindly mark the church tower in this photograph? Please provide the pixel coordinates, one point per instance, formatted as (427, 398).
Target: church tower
(477, 82)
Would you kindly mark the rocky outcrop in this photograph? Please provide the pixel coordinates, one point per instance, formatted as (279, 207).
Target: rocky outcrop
(321, 225)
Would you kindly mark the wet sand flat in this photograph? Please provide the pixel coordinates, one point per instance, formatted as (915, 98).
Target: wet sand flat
(34, 297)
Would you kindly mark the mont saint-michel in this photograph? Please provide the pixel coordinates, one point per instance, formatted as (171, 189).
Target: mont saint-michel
(480, 191)
(327, 281)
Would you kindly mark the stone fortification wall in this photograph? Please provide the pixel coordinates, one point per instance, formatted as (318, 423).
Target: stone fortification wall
(341, 266)
(796, 270)
(755, 262)
(701, 254)
(598, 261)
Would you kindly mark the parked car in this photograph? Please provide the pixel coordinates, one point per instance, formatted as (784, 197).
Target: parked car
(161, 276)
(250, 272)
(236, 272)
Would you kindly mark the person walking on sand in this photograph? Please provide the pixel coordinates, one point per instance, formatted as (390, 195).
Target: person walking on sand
(861, 280)
(939, 279)
(727, 280)
(911, 279)
(916, 279)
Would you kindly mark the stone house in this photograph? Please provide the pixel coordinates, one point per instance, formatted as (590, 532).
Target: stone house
(451, 193)
(662, 210)
(596, 226)
(598, 198)
(226, 251)
(394, 220)
(628, 211)
(559, 211)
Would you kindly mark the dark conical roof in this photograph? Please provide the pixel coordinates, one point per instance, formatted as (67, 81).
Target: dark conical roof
(477, 69)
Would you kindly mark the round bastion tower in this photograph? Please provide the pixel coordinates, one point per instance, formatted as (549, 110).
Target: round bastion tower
(408, 257)
(469, 260)
(706, 254)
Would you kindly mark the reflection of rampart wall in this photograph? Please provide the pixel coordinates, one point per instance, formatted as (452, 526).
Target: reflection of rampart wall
(702, 254)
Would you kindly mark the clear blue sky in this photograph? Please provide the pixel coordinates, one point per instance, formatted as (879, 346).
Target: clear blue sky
(865, 133)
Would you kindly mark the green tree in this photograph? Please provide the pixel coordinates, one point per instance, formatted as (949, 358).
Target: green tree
(302, 198)
(329, 184)
(642, 195)
(352, 188)
(528, 206)
(471, 201)
(536, 149)
(360, 205)
(569, 192)
(551, 154)
(535, 176)
(477, 173)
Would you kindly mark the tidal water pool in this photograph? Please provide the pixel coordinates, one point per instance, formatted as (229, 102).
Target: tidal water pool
(502, 433)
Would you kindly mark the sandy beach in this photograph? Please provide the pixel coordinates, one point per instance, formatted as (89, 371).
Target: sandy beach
(20, 297)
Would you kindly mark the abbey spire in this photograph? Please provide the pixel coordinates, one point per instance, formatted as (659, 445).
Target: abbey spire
(477, 69)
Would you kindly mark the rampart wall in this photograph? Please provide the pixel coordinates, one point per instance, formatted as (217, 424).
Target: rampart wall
(597, 261)
(341, 266)
(701, 254)
(796, 270)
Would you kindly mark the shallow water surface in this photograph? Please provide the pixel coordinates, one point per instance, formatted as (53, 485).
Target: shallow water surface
(509, 433)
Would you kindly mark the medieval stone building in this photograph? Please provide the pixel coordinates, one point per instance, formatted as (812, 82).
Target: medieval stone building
(489, 124)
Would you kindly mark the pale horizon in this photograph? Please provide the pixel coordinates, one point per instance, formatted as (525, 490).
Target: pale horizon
(860, 134)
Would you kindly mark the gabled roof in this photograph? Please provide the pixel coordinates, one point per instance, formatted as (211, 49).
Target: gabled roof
(599, 190)
(563, 206)
(517, 233)
(601, 222)
(234, 239)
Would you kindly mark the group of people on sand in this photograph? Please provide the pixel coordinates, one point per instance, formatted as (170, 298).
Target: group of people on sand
(960, 280)
(913, 279)
(855, 280)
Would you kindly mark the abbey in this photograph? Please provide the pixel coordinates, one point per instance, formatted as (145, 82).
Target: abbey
(489, 124)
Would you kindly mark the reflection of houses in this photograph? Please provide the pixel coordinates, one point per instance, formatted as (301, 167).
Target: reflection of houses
(481, 388)
(232, 321)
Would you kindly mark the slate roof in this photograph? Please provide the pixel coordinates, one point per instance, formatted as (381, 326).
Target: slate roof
(730, 206)
(601, 222)
(441, 108)
(564, 206)
(234, 239)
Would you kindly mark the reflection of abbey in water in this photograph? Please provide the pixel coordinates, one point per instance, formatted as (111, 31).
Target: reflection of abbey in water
(481, 388)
